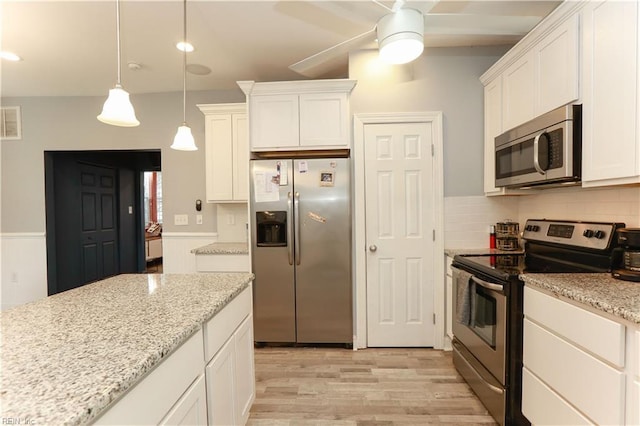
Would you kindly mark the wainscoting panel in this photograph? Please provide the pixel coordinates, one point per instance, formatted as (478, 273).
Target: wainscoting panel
(23, 268)
(176, 250)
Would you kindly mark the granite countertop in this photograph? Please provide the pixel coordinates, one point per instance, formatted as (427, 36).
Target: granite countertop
(222, 248)
(67, 357)
(600, 291)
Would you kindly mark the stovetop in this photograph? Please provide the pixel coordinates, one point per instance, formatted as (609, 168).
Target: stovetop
(552, 246)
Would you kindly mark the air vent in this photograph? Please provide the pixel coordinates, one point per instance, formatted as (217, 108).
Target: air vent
(10, 126)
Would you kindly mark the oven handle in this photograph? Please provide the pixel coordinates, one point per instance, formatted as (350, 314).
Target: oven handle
(491, 387)
(487, 285)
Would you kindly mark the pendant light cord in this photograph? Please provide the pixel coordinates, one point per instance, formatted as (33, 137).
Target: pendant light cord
(118, 36)
(184, 67)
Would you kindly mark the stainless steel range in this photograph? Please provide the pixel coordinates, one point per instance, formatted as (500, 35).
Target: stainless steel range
(488, 301)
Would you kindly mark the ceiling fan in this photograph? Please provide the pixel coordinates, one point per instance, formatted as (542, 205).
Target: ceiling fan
(404, 24)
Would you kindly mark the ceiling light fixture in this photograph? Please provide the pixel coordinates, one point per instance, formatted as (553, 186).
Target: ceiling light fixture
(183, 141)
(401, 36)
(117, 109)
(10, 56)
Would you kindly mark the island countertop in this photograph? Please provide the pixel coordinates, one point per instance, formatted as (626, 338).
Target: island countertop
(600, 291)
(67, 357)
(222, 248)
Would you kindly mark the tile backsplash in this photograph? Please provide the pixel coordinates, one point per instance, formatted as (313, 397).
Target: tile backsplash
(467, 219)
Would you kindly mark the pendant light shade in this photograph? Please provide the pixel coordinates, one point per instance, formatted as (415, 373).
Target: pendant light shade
(401, 36)
(183, 141)
(117, 109)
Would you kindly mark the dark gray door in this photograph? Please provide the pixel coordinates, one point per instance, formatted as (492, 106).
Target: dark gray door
(99, 245)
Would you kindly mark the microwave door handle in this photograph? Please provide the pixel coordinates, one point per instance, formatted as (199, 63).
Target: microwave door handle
(536, 154)
(487, 285)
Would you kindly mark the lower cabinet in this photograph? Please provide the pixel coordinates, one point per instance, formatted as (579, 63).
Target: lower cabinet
(578, 365)
(230, 373)
(209, 379)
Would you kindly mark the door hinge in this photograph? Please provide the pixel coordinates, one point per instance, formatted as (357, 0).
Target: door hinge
(434, 235)
(434, 318)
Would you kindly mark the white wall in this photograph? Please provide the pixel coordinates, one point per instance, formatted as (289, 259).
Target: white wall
(232, 222)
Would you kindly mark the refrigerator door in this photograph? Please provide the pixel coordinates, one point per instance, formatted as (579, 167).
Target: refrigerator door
(323, 251)
(272, 251)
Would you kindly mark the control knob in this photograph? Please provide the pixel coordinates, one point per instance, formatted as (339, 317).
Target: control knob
(588, 233)
(599, 234)
(532, 228)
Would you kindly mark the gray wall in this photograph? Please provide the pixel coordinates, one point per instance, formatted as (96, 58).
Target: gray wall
(442, 79)
(69, 123)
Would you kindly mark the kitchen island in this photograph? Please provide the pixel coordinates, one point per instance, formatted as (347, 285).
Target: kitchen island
(66, 359)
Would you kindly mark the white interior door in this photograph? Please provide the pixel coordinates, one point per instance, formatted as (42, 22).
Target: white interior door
(399, 234)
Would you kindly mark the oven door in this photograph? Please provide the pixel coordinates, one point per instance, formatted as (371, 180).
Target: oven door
(480, 321)
(544, 156)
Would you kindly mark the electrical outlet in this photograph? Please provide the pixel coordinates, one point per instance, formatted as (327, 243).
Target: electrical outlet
(181, 219)
(198, 219)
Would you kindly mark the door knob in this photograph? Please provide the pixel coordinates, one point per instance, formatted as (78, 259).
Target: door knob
(373, 248)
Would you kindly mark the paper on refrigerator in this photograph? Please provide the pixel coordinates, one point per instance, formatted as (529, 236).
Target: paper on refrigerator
(266, 186)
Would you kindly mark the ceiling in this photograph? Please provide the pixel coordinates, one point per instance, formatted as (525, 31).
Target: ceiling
(69, 47)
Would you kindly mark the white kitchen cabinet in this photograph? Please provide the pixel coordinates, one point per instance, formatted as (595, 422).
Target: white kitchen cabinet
(223, 263)
(150, 400)
(226, 152)
(579, 366)
(191, 409)
(308, 114)
(153, 248)
(556, 60)
(449, 299)
(492, 128)
(610, 144)
(518, 92)
(230, 372)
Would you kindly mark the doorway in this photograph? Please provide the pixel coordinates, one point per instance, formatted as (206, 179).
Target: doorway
(152, 208)
(389, 282)
(94, 215)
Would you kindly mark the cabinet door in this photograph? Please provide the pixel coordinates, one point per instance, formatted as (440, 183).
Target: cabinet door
(219, 154)
(245, 377)
(610, 107)
(324, 120)
(240, 157)
(518, 105)
(191, 409)
(221, 387)
(274, 122)
(557, 67)
(492, 128)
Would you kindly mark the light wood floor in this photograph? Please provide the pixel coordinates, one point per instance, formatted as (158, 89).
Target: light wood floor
(331, 386)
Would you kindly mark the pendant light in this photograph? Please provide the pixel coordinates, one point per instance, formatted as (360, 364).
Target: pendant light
(183, 141)
(117, 109)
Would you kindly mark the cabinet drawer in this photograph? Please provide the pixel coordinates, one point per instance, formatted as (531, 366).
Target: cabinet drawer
(599, 335)
(219, 328)
(593, 387)
(152, 398)
(541, 405)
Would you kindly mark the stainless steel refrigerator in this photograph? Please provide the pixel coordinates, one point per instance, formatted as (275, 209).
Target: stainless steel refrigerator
(301, 250)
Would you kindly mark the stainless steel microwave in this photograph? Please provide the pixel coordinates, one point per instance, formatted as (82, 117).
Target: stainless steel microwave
(544, 151)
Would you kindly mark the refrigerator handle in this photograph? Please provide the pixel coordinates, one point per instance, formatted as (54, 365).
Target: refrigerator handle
(289, 230)
(296, 218)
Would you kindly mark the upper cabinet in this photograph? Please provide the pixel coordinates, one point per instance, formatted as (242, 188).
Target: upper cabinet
(226, 152)
(610, 144)
(310, 114)
(538, 75)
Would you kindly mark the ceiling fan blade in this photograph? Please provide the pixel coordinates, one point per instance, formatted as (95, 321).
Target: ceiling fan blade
(318, 64)
(478, 24)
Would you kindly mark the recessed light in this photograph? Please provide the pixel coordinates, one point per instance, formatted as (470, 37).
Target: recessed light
(185, 46)
(10, 56)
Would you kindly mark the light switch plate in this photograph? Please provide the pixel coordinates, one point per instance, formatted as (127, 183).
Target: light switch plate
(181, 219)
(198, 219)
